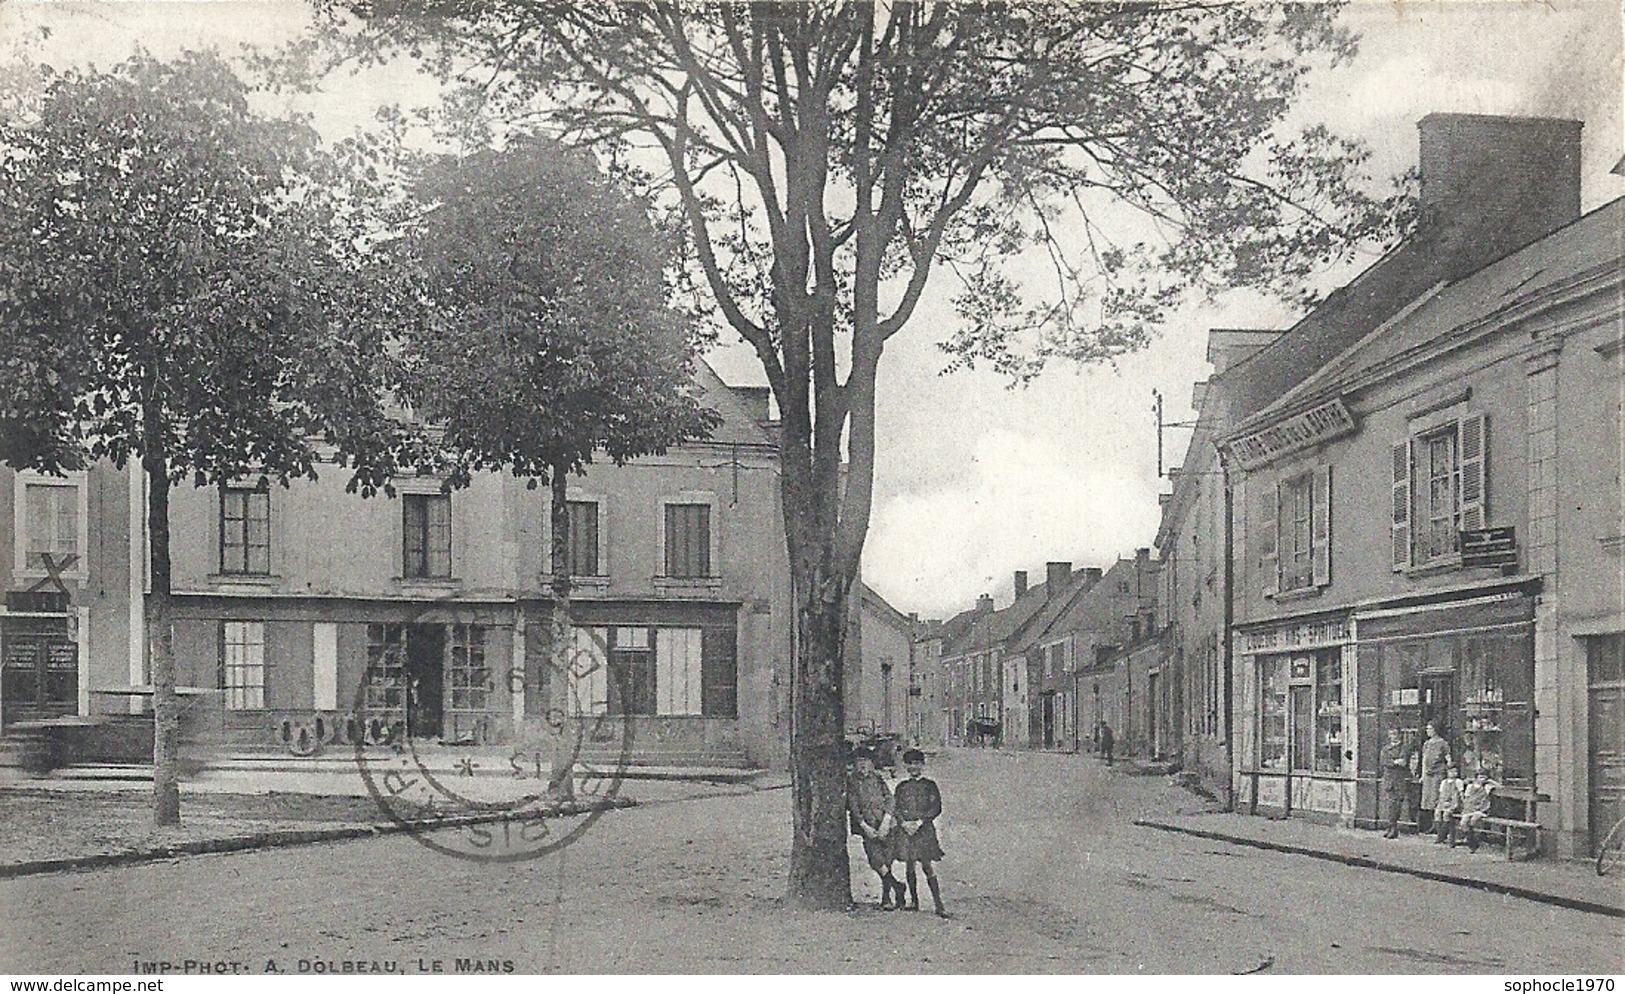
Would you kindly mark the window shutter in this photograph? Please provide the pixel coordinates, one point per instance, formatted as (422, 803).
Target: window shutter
(1471, 445)
(1402, 505)
(1320, 515)
(1269, 541)
(719, 692)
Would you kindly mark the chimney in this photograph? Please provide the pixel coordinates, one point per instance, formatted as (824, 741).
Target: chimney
(1092, 574)
(1493, 184)
(755, 400)
(1055, 577)
(1142, 554)
(984, 604)
(1228, 346)
(1021, 583)
(1198, 396)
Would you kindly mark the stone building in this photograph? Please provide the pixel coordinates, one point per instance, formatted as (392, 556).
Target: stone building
(428, 611)
(1426, 506)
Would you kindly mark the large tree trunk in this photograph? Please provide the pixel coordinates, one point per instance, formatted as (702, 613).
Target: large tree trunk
(561, 645)
(166, 739)
(820, 872)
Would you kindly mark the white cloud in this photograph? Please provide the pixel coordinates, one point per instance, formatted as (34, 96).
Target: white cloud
(1025, 500)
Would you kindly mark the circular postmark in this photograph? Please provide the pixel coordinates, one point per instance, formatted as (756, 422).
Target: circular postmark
(548, 797)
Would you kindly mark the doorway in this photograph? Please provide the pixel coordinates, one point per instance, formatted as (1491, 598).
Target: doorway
(1048, 718)
(1439, 704)
(1605, 676)
(1153, 722)
(425, 680)
(41, 670)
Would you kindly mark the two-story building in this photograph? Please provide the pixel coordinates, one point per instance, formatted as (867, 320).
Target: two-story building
(877, 665)
(1426, 518)
(427, 612)
(1048, 653)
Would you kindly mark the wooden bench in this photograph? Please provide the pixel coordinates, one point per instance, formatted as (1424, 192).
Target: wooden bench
(1509, 828)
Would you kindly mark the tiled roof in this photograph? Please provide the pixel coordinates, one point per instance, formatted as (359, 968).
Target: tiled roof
(1444, 249)
(1594, 243)
(738, 425)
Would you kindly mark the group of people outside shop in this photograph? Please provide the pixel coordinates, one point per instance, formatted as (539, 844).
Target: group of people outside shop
(1453, 809)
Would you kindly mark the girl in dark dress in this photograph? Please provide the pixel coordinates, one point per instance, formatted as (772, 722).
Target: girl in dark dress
(918, 803)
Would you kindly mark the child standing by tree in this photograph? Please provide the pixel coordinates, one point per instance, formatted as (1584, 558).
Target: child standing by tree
(919, 802)
(870, 809)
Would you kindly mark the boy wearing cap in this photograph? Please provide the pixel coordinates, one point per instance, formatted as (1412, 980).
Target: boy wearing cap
(870, 811)
(919, 802)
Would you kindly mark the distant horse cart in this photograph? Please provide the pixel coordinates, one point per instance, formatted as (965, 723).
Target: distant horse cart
(982, 731)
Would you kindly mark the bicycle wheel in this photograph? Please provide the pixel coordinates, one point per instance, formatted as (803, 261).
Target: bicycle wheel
(1612, 848)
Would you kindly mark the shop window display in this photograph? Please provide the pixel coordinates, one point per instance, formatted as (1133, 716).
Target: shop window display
(1272, 737)
(1329, 714)
(1479, 689)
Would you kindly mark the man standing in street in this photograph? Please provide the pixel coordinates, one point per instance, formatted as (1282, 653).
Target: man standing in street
(1106, 742)
(1396, 766)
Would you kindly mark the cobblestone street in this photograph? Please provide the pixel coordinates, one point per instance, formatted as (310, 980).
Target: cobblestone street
(1045, 872)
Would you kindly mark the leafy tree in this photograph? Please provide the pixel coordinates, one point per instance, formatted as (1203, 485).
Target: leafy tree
(546, 336)
(1069, 173)
(183, 282)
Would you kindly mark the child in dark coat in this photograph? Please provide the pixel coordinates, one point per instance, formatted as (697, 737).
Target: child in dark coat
(918, 803)
(870, 807)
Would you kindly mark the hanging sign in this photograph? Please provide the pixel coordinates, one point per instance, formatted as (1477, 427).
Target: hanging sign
(1489, 547)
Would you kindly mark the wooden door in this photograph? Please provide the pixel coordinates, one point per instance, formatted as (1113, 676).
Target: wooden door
(1607, 713)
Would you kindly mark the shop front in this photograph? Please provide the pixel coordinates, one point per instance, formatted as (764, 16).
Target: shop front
(1465, 665)
(1296, 752)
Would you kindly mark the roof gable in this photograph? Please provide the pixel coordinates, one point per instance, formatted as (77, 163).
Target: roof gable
(738, 425)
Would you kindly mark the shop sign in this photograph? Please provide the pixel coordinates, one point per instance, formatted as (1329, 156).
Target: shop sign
(1489, 547)
(1300, 431)
(1304, 636)
(37, 601)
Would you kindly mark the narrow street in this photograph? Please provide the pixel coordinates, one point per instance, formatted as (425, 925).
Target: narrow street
(1044, 873)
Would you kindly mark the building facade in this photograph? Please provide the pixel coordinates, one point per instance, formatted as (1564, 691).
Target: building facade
(927, 714)
(321, 617)
(877, 665)
(1401, 553)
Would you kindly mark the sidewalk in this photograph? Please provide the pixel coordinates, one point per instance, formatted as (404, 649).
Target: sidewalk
(1572, 885)
(77, 821)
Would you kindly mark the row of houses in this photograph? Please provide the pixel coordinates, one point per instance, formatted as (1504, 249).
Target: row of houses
(307, 617)
(1404, 509)
(427, 612)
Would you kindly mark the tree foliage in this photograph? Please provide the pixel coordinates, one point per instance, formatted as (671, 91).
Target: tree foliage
(546, 338)
(546, 335)
(183, 277)
(1065, 173)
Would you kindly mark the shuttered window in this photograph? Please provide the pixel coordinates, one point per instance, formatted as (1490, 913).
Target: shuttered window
(1439, 491)
(582, 539)
(688, 541)
(1295, 535)
(677, 671)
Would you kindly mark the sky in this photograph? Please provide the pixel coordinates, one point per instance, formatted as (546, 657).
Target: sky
(974, 480)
